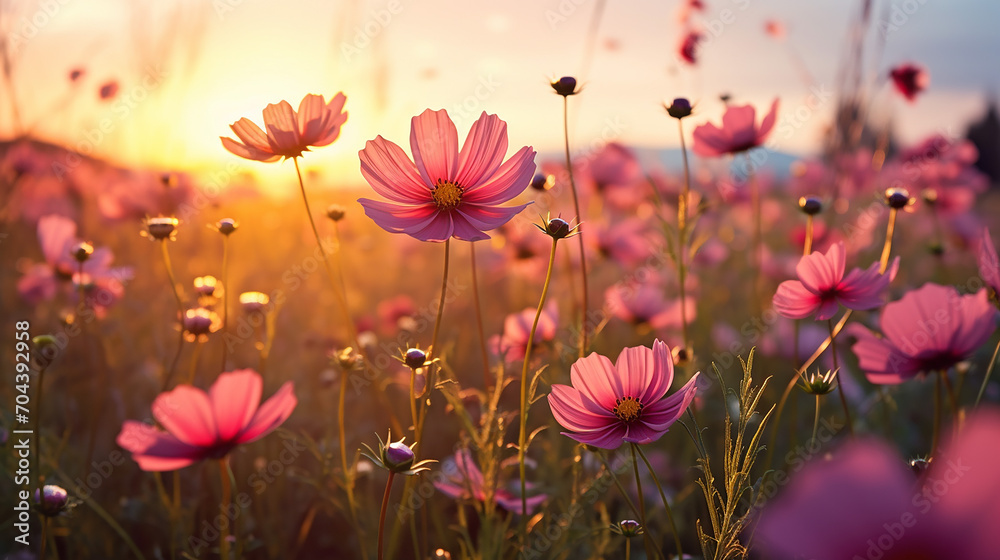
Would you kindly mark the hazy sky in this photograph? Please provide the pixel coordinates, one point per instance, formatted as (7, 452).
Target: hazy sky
(188, 69)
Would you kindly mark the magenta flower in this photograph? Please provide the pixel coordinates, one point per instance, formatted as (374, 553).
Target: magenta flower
(464, 481)
(909, 80)
(289, 133)
(929, 329)
(644, 305)
(202, 425)
(446, 192)
(688, 46)
(822, 286)
(57, 236)
(989, 263)
(612, 404)
(865, 503)
(513, 344)
(739, 132)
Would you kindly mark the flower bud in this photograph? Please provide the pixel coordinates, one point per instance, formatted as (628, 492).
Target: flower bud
(627, 528)
(398, 456)
(161, 228)
(810, 205)
(558, 228)
(348, 359)
(930, 196)
(254, 302)
(200, 322)
(542, 182)
(681, 356)
(335, 212)
(51, 500)
(206, 286)
(679, 109)
(819, 384)
(226, 226)
(82, 251)
(565, 86)
(897, 198)
(414, 358)
(920, 465)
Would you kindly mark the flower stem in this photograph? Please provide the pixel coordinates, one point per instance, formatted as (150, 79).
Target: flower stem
(44, 540)
(444, 290)
(815, 421)
(758, 236)
(180, 310)
(807, 246)
(479, 323)
(628, 548)
(682, 212)
(225, 300)
(194, 363)
(381, 517)
(840, 385)
(642, 502)
(952, 401)
(35, 429)
(522, 439)
(666, 505)
(986, 378)
(936, 430)
(227, 492)
(579, 235)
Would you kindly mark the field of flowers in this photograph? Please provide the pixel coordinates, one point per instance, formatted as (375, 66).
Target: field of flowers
(487, 352)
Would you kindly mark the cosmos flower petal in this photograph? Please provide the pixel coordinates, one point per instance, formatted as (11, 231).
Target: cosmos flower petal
(399, 218)
(391, 174)
(596, 378)
(664, 412)
(156, 450)
(821, 272)
(709, 140)
(438, 229)
(881, 362)
(282, 129)
(483, 151)
(610, 438)
(576, 413)
(641, 433)
(487, 218)
(434, 144)
(768, 123)
(271, 414)
(989, 263)
(235, 397)
(794, 301)
(662, 373)
(56, 234)
(510, 180)
(248, 152)
(464, 228)
(738, 122)
(512, 502)
(186, 412)
(251, 135)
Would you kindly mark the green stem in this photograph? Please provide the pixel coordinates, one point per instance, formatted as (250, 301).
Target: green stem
(986, 378)
(815, 421)
(579, 220)
(44, 540)
(36, 434)
(666, 505)
(682, 212)
(225, 300)
(952, 400)
(523, 434)
(227, 491)
(237, 518)
(642, 503)
(479, 324)
(840, 385)
(628, 548)
(433, 351)
(381, 517)
(170, 275)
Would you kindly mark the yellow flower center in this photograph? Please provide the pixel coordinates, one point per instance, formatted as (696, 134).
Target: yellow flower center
(446, 194)
(627, 409)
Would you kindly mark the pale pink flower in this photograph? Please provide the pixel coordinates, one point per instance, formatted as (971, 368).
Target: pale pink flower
(289, 133)
(644, 304)
(200, 425)
(517, 328)
(989, 263)
(739, 132)
(930, 329)
(610, 404)
(464, 481)
(446, 192)
(822, 286)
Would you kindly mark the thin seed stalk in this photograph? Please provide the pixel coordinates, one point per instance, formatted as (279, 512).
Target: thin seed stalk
(579, 219)
(666, 504)
(523, 434)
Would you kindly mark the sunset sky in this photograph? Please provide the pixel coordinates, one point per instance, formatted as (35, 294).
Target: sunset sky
(187, 69)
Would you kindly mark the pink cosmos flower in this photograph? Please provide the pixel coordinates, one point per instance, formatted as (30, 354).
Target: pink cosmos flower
(910, 80)
(929, 329)
(864, 503)
(644, 305)
(739, 132)
(202, 425)
(612, 404)
(445, 192)
(688, 46)
(822, 287)
(464, 481)
(989, 263)
(57, 236)
(289, 133)
(517, 327)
